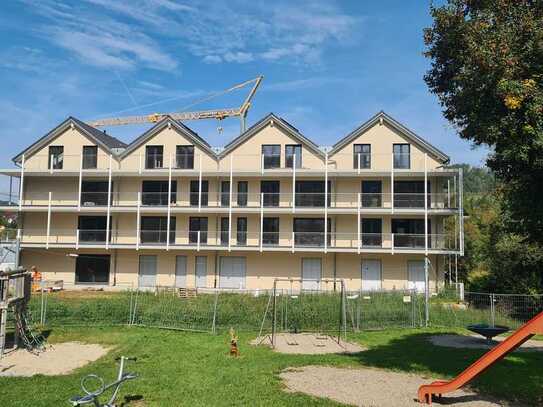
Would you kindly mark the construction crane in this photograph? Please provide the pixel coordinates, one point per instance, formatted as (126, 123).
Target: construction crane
(218, 114)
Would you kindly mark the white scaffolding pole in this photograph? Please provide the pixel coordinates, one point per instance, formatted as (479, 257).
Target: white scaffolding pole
(230, 203)
(169, 203)
(426, 204)
(108, 201)
(358, 222)
(48, 221)
(21, 182)
(392, 184)
(261, 219)
(325, 202)
(461, 205)
(80, 183)
(138, 224)
(200, 184)
(294, 183)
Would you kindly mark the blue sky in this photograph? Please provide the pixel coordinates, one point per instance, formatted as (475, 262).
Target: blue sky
(328, 65)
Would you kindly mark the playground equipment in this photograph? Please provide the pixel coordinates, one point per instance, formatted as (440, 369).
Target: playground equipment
(15, 291)
(234, 349)
(488, 331)
(91, 397)
(525, 332)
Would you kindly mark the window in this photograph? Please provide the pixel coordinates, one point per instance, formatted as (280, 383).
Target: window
(184, 157)
(93, 228)
(272, 155)
(225, 193)
(94, 193)
(310, 231)
(311, 193)
(90, 157)
(270, 189)
(154, 157)
(56, 157)
(241, 235)
(92, 268)
(154, 229)
(371, 194)
(362, 156)
(194, 187)
(224, 231)
(270, 231)
(291, 151)
(410, 194)
(155, 193)
(402, 158)
(243, 190)
(371, 232)
(197, 224)
(409, 232)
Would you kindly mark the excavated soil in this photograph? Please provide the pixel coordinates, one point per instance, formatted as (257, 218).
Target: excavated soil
(308, 344)
(371, 387)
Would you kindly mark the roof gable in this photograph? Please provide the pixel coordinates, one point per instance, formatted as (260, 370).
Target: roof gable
(404, 131)
(283, 124)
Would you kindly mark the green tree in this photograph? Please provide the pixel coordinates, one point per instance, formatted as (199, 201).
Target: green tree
(487, 71)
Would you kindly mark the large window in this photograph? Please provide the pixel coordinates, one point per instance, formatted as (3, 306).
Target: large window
(92, 229)
(272, 155)
(94, 193)
(197, 224)
(409, 232)
(362, 156)
(270, 231)
(312, 193)
(371, 194)
(184, 157)
(194, 196)
(154, 157)
(224, 231)
(90, 157)
(241, 234)
(410, 194)
(225, 193)
(402, 156)
(292, 151)
(310, 231)
(371, 232)
(56, 157)
(243, 191)
(154, 229)
(270, 189)
(92, 269)
(156, 193)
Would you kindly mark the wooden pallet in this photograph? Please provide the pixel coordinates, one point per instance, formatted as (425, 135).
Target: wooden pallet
(186, 292)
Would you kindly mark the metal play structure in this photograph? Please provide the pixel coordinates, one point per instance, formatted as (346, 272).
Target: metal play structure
(15, 291)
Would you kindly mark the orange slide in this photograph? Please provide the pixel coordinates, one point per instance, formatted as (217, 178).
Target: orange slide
(529, 329)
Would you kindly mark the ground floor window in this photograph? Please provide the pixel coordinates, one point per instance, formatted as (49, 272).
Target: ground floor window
(92, 269)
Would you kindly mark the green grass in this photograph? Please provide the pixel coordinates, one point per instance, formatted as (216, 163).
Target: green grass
(193, 369)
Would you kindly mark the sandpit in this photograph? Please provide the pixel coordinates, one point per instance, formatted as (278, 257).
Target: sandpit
(58, 359)
(371, 387)
(478, 342)
(308, 344)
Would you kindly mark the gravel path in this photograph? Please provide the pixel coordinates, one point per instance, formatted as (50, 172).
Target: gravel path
(308, 344)
(371, 387)
(477, 342)
(59, 359)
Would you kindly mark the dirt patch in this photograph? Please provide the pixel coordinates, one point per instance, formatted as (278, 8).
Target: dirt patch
(59, 359)
(371, 387)
(308, 344)
(477, 342)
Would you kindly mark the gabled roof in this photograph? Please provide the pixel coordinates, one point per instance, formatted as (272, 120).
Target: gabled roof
(178, 126)
(278, 121)
(103, 140)
(408, 134)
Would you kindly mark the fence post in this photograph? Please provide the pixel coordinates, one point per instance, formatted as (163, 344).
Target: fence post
(214, 326)
(492, 311)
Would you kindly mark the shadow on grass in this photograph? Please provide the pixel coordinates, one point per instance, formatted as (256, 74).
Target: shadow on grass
(518, 377)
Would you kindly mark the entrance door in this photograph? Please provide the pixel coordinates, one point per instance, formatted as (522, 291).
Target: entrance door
(232, 272)
(201, 271)
(415, 271)
(311, 273)
(371, 275)
(147, 271)
(181, 271)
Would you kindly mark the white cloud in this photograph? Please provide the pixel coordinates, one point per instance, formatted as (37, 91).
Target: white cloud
(240, 57)
(212, 59)
(299, 84)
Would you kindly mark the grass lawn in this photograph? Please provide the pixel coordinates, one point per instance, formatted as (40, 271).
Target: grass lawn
(180, 368)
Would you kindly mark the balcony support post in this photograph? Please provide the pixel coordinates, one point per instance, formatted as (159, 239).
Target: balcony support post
(52, 165)
(358, 223)
(392, 243)
(80, 183)
(448, 193)
(461, 207)
(292, 243)
(230, 203)
(261, 219)
(392, 184)
(326, 202)
(426, 291)
(108, 201)
(200, 184)
(77, 239)
(169, 204)
(48, 221)
(198, 242)
(138, 222)
(358, 161)
(425, 204)
(262, 163)
(21, 182)
(294, 183)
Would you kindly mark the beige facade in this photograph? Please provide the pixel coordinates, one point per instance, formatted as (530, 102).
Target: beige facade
(76, 216)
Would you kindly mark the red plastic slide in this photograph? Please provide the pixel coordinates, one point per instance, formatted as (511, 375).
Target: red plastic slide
(529, 329)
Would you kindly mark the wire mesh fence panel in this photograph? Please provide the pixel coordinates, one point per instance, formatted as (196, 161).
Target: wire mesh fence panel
(243, 311)
(515, 310)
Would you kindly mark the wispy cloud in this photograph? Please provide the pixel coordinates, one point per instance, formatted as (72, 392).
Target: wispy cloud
(299, 84)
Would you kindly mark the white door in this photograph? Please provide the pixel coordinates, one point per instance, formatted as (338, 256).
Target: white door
(371, 275)
(201, 271)
(415, 271)
(311, 274)
(147, 271)
(232, 272)
(181, 271)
